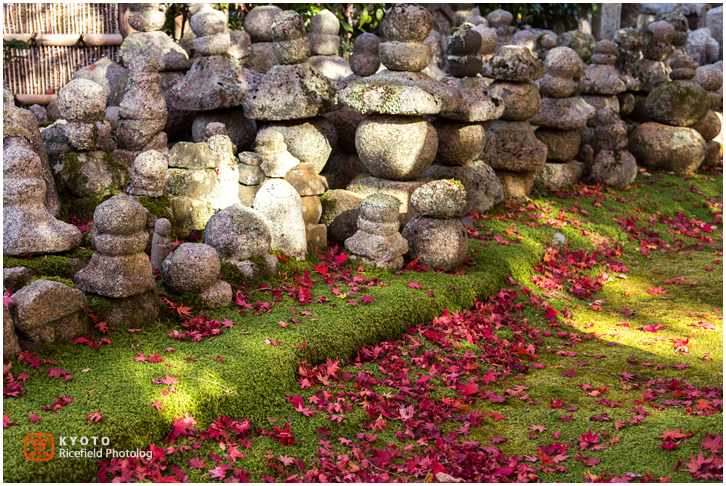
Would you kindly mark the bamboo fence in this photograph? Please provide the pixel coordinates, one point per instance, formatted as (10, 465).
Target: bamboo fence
(47, 68)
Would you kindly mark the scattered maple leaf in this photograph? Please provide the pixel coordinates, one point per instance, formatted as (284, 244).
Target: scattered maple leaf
(414, 285)
(6, 421)
(34, 418)
(94, 417)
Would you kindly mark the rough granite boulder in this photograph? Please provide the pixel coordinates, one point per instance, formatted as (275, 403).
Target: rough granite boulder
(48, 311)
(667, 148)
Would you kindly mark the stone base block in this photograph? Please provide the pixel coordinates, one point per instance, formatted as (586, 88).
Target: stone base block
(401, 190)
(560, 175)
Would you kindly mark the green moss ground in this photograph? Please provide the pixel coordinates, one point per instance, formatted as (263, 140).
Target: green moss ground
(262, 375)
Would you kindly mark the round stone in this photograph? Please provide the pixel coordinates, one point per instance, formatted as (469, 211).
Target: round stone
(663, 147)
(709, 127)
(525, 38)
(120, 215)
(238, 233)
(512, 146)
(147, 21)
(562, 145)
(407, 23)
(82, 100)
(404, 56)
(615, 168)
(606, 47)
(162, 227)
(115, 245)
(396, 147)
(288, 25)
(499, 18)
(21, 163)
(563, 62)
(305, 181)
(292, 51)
(258, 22)
(212, 45)
(208, 21)
(325, 22)
(151, 164)
(191, 268)
(679, 103)
(463, 66)
(459, 143)
(438, 243)
(443, 199)
(521, 100)
(709, 77)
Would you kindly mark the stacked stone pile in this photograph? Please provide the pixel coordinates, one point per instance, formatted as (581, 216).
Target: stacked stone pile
(344, 163)
(85, 170)
(142, 113)
(160, 242)
(501, 22)
(202, 179)
(193, 268)
(120, 273)
(561, 114)
(20, 129)
(680, 34)
(657, 47)
(258, 23)
(436, 237)
(292, 96)
(28, 226)
(148, 177)
(324, 43)
(668, 143)
(462, 133)
(310, 187)
(711, 79)
(82, 103)
(614, 165)
(488, 36)
(512, 149)
(396, 143)
(148, 19)
(377, 241)
(251, 176)
(628, 42)
(602, 84)
(215, 86)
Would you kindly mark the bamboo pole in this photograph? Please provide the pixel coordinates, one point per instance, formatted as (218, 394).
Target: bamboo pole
(92, 40)
(31, 99)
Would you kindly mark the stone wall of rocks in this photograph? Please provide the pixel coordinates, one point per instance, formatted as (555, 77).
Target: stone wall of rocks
(268, 140)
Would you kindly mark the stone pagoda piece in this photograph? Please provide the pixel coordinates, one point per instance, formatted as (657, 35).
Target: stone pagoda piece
(150, 41)
(461, 132)
(215, 80)
(512, 149)
(668, 143)
(396, 143)
(292, 96)
(324, 45)
(560, 116)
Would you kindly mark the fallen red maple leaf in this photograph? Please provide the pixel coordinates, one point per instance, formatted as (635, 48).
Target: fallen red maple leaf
(94, 417)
